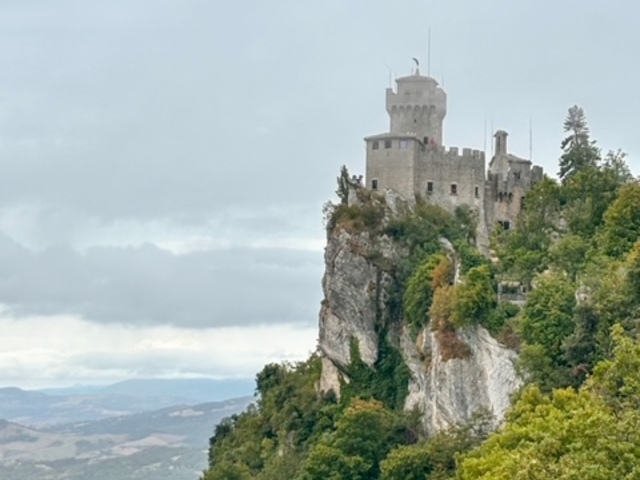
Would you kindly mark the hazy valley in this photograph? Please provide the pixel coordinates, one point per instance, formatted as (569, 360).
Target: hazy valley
(134, 430)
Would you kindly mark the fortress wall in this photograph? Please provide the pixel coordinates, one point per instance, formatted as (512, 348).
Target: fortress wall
(393, 168)
(508, 189)
(446, 177)
(445, 168)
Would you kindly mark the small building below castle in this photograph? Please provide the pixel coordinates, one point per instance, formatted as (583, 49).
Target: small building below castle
(410, 159)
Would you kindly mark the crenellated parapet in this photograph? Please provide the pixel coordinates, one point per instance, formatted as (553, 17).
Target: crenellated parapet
(418, 105)
(410, 159)
(455, 153)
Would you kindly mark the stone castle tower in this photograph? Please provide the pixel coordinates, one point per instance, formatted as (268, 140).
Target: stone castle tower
(411, 160)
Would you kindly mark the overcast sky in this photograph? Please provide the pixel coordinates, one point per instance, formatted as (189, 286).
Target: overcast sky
(163, 163)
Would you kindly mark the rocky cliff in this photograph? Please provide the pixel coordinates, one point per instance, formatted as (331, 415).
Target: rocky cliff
(357, 287)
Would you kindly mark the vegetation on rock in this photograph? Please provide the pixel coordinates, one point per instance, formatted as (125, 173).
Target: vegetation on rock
(575, 248)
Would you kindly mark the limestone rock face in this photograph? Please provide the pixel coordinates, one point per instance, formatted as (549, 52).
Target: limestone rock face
(349, 308)
(451, 392)
(356, 290)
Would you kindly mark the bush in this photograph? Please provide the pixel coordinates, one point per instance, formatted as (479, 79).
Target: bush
(498, 317)
(475, 297)
(436, 271)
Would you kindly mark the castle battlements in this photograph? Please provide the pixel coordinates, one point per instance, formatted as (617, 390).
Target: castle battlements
(411, 159)
(455, 153)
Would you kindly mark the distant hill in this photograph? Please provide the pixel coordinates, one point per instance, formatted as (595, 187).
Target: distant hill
(87, 403)
(166, 444)
(200, 389)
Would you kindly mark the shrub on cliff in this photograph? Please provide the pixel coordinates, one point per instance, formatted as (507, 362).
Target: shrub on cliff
(475, 298)
(433, 273)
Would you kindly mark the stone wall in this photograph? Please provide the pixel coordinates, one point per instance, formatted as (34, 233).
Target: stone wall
(416, 163)
(509, 180)
(393, 167)
(454, 178)
(419, 107)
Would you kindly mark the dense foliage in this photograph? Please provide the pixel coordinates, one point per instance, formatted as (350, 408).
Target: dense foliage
(575, 248)
(591, 433)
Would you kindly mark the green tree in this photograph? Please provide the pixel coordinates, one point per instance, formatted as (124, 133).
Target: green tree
(344, 181)
(269, 378)
(590, 434)
(500, 315)
(524, 251)
(368, 430)
(435, 457)
(579, 151)
(581, 347)
(545, 324)
(607, 283)
(633, 272)
(467, 217)
(475, 297)
(621, 228)
(576, 125)
(410, 462)
(617, 380)
(570, 435)
(570, 254)
(229, 471)
(326, 462)
(590, 191)
(364, 435)
(419, 292)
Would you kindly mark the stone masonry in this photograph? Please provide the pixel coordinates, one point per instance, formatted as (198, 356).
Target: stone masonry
(411, 160)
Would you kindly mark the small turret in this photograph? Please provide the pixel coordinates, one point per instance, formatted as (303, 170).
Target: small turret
(501, 142)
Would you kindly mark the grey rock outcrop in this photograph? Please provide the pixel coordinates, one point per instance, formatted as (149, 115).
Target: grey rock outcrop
(349, 309)
(356, 290)
(451, 392)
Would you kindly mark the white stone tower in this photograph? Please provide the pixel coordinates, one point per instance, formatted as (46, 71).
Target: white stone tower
(418, 107)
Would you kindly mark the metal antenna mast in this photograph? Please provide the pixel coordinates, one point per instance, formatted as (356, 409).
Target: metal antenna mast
(530, 138)
(484, 135)
(390, 74)
(491, 134)
(429, 53)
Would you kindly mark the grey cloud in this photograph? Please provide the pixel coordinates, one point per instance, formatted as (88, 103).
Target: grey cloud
(154, 108)
(146, 285)
(186, 111)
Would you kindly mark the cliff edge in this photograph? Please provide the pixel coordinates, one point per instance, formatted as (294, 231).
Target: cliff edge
(367, 254)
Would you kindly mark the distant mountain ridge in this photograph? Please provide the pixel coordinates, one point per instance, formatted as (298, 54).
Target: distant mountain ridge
(43, 408)
(205, 390)
(166, 444)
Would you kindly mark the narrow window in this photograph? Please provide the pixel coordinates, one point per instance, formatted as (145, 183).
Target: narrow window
(454, 189)
(375, 145)
(510, 197)
(429, 187)
(404, 144)
(477, 192)
(425, 140)
(516, 175)
(506, 225)
(374, 184)
(521, 202)
(387, 144)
